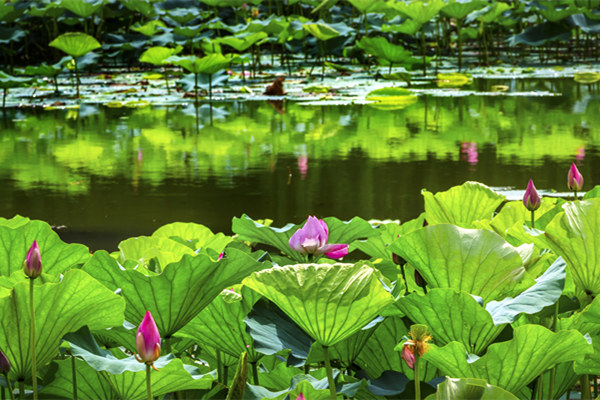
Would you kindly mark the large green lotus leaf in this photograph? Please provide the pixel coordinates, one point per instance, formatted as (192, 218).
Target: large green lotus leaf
(545, 292)
(479, 262)
(150, 28)
(320, 30)
(514, 212)
(242, 42)
(14, 222)
(460, 9)
(75, 44)
(591, 364)
(209, 64)
(91, 384)
(57, 256)
(60, 308)
(221, 324)
(408, 27)
(157, 55)
(564, 379)
(179, 293)
(575, 236)
(452, 316)
(330, 302)
(461, 205)
(339, 232)
(196, 236)
(469, 388)
(420, 11)
(82, 8)
(381, 48)
(512, 364)
(142, 249)
(378, 354)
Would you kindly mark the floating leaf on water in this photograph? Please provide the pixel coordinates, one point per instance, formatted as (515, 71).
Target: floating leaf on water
(587, 77)
(316, 89)
(114, 104)
(499, 88)
(137, 104)
(452, 79)
(391, 98)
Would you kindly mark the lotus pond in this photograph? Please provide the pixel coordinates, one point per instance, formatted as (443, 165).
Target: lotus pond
(299, 199)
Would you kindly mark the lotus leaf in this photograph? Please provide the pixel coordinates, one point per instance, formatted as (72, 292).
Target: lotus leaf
(330, 302)
(196, 236)
(157, 55)
(210, 64)
(75, 44)
(587, 77)
(461, 205)
(61, 308)
(573, 234)
(420, 11)
(470, 388)
(179, 293)
(321, 30)
(82, 8)
(512, 364)
(479, 262)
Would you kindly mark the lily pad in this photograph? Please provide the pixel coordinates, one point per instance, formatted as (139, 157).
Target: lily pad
(75, 44)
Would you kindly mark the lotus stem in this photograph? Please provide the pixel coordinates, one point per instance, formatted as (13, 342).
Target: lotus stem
(167, 80)
(167, 348)
(225, 374)
(4, 92)
(539, 385)
(148, 381)
(10, 389)
(22, 390)
(219, 367)
(255, 372)
(74, 372)
(533, 226)
(330, 381)
(417, 376)
(76, 78)
(33, 358)
(196, 88)
(322, 48)
(553, 370)
(575, 194)
(586, 393)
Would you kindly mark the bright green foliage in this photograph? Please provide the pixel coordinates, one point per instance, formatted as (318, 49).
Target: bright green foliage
(221, 324)
(512, 364)
(236, 391)
(8, 81)
(242, 42)
(575, 235)
(420, 11)
(330, 302)
(460, 9)
(61, 308)
(461, 205)
(145, 248)
(194, 235)
(206, 65)
(82, 8)
(179, 293)
(150, 28)
(475, 261)
(382, 49)
(57, 256)
(470, 388)
(452, 316)
(320, 30)
(75, 44)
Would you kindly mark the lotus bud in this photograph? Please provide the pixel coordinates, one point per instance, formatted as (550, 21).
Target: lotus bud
(300, 397)
(147, 340)
(4, 363)
(33, 262)
(408, 355)
(397, 259)
(531, 199)
(574, 178)
(419, 279)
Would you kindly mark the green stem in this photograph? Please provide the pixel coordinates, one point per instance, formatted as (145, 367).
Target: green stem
(10, 389)
(584, 381)
(76, 78)
(74, 372)
(33, 356)
(225, 374)
(322, 47)
(255, 373)
(21, 390)
(167, 80)
(532, 219)
(575, 194)
(329, 371)
(148, 381)
(219, 367)
(539, 386)
(417, 376)
(167, 345)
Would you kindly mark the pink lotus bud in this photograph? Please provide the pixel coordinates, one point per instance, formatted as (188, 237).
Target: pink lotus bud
(4, 363)
(531, 199)
(574, 178)
(147, 340)
(300, 397)
(33, 262)
(408, 356)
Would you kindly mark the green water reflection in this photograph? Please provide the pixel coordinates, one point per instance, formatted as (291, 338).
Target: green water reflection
(107, 174)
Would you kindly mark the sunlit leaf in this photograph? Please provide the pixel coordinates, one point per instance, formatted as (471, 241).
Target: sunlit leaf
(321, 30)
(75, 44)
(195, 235)
(330, 302)
(157, 55)
(470, 388)
(479, 262)
(60, 308)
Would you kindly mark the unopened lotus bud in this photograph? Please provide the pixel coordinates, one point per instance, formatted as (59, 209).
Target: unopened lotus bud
(33, 262)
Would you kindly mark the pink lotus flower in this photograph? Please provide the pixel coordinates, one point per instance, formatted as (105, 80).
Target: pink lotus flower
(33, 262)
(300, 397)
(311, 239)
(147, 340)
(574, 178)
(531, 199)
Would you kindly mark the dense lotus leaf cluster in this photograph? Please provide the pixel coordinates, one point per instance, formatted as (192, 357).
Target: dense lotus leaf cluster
(509, 310)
